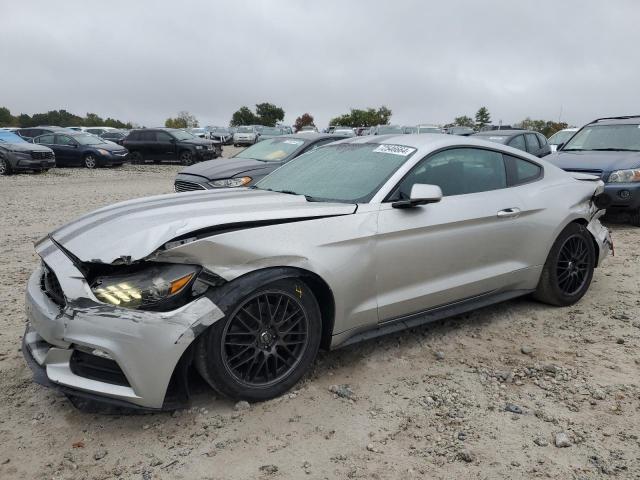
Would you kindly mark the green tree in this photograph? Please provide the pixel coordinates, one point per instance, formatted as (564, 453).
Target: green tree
(268, 114)
(183, 120)
(546, 127)
(363, 118)
(244, 116)
(483, 117)
(303, 120)
(463, 121)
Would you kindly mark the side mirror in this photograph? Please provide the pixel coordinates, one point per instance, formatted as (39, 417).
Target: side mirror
(421, 194)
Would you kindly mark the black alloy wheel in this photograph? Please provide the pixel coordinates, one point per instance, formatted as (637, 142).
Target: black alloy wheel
(265, 339)
(573, 264)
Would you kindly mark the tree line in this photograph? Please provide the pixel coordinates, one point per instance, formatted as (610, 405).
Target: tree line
(61, 118)
(266, 114)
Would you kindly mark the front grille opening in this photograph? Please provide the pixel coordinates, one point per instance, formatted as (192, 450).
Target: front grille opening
(182, 186)
(51, 286)
(97, 368)
(37, 155)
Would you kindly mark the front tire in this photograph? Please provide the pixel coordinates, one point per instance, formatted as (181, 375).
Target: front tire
(187, 158)
(568, 271)
(90, 161)
(264, 345)
(634, 218)
(5, 167)
(136, 158)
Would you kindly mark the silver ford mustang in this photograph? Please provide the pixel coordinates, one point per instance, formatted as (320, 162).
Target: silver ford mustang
(359, 238)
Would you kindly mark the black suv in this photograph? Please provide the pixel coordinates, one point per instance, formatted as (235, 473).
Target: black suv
(158, 144)
(526, 140)
(610, 149)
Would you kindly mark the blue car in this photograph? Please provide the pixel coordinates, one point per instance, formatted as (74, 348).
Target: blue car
(74, 149)
(608, 148)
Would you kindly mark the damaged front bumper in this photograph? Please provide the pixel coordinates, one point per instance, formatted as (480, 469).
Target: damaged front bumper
(82, 345)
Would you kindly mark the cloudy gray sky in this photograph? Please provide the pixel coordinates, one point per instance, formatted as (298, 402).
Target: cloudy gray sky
(428, 61)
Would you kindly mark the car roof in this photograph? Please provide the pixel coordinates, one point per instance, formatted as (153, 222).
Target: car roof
(49, 127)
(429, 141)
(624, 120)
(502, 133)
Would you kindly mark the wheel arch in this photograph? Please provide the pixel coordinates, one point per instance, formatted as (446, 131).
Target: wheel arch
(231, 292)
(584, 223)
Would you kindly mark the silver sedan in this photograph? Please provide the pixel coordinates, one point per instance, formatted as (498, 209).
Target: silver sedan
(355, 239)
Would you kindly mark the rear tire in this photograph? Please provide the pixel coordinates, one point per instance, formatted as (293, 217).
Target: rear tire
(265, 344)
(136, 158)
(568, 271)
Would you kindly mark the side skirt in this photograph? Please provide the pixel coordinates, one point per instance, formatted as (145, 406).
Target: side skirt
(432, 315)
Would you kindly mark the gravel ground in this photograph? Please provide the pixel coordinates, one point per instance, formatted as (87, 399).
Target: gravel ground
(517, 390)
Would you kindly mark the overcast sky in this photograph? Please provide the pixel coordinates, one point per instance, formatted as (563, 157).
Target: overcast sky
(143, 61)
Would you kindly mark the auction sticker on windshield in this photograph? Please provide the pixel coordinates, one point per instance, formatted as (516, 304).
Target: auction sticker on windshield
(395, 150)
(293, 142)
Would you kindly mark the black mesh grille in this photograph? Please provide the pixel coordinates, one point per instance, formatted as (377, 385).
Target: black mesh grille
(41, 155)
(51, 286)
(182, 186)
(97, 368)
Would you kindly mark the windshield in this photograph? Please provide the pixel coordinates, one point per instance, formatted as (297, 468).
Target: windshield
(387, 129)
(9, 137)
(606, 137)
(245, 129)
(271, 131)
(560, 137)
(198, 130)
(429, 130)
(348, 172)
(88, 139)
(182, 135)
(271, 150)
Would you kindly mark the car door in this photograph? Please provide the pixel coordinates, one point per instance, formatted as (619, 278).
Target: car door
(165, 146)
(465, 246)
(69, 149)
(146, 145)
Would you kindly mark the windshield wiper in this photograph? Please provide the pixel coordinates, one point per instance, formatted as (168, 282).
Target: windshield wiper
(614, 150)
(309, 198)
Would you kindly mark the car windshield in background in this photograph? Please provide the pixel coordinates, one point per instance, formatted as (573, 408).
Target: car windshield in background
(429, 130)
(245, 130)
(182, 135)
(8, 137)
(197, 131)
(271, 131)
(88, 139)
(388, 129)
(271, 150)
(350, 173)
(560, 137)
(606, 137)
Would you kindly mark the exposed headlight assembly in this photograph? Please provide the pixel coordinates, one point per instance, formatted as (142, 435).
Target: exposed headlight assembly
(625, 176)
(230, 182)
(155, 287)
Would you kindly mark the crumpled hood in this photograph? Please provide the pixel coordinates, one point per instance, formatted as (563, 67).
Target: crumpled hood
(133, 230)
(226, 168)
(590, 160)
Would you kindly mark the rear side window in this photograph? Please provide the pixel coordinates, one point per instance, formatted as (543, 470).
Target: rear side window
(46, 139)
(163, 137)
(532, 143)
(134, 137)
(64, 140)
(522, 171)
(542, 139)
(518, 142)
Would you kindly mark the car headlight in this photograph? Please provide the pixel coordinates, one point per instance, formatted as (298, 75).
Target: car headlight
(155, 287)
(625, 176)
(102, 151)
(230, 182)
(199, 147)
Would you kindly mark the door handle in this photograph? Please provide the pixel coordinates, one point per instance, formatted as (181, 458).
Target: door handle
(509, 213)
